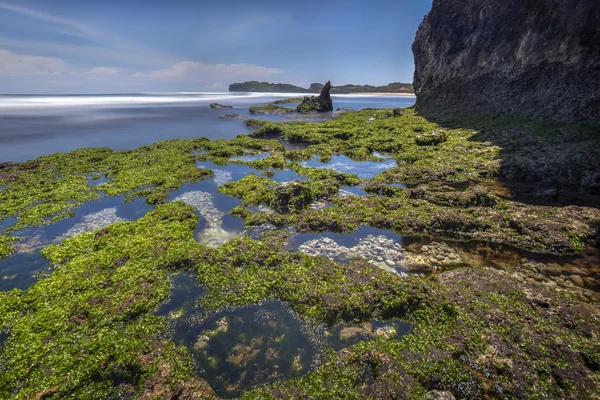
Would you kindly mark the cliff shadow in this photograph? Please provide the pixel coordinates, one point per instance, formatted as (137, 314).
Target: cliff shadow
(541, 162)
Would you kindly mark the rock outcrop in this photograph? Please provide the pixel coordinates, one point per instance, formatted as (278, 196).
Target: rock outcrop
(320, 103)
(536, 58)
(217, 105)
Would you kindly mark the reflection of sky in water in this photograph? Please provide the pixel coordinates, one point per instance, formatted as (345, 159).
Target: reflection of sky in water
(364, 169)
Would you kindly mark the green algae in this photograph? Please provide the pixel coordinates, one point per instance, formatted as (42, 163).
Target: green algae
(6, 246)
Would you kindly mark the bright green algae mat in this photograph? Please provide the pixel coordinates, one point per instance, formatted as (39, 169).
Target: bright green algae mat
(87, 330)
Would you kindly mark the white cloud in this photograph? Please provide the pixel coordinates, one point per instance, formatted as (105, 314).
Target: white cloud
(104, 71)
(197, 71)
(15, 64)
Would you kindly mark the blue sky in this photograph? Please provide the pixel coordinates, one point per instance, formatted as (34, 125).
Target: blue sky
(108, 46)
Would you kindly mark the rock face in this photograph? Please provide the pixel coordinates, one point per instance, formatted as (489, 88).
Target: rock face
(536, 58)
(320, 103)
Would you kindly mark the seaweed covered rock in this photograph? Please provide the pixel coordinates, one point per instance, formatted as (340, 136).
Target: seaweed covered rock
(291, 196)
(537, 58)
(270, 109)
(320, 103)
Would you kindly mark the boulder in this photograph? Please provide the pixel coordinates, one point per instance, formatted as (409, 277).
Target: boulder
(320, 103)
(535, 58)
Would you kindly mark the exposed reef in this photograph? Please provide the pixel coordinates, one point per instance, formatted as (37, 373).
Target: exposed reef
(500, 290)
(539, 59)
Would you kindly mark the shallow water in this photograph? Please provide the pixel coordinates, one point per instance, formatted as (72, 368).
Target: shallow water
(31, 126)
(237, 350)
(364, 169)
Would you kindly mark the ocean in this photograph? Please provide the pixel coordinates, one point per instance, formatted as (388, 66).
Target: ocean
(36, 125)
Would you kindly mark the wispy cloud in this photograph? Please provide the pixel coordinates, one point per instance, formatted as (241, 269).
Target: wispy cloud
(15, 64)
(107, 44)
(197, 71)
(104, 71)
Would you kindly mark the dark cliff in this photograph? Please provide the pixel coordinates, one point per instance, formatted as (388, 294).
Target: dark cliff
(536, 58)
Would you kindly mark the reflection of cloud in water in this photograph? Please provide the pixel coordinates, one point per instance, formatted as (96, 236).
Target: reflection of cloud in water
(92, 222)
(213, 235)
(221, 177)
(364, 169)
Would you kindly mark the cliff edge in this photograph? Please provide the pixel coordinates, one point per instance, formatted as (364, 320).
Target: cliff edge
(535, 58)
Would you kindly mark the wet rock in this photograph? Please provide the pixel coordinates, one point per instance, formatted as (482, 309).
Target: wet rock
(433, 256)
(217, 105)
(320, 103)
(439, 395)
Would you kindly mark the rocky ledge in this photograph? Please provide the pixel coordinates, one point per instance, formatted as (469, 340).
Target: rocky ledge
(539, 59)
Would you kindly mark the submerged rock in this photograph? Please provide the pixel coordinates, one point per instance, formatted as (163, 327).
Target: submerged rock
(539, 59)
(217, 105)
(320, 103)
(379, 250)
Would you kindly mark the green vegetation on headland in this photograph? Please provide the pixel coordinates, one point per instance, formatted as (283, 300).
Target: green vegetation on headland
(88, 329)
(266, 87)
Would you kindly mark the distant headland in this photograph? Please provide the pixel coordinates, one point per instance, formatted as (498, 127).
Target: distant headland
(255, 86)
